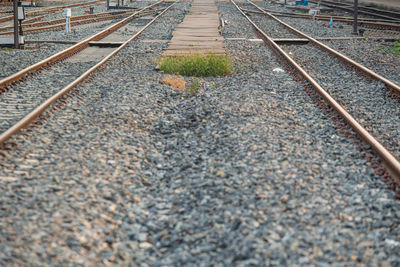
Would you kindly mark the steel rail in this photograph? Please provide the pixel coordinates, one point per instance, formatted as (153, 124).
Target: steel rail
(361, 21)
(33, 115)
(76, 18)
(389, 84)
(350, 9)
(392, 163)
(73, 23)
(51, 9)
(6, 12)
(24, 23)
(73, 18)
(365, 8)
(13, 78)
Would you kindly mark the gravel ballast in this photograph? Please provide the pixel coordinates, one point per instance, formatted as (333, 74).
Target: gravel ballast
(250, 173)
(366, 100)
(15, 60)
(373, 55)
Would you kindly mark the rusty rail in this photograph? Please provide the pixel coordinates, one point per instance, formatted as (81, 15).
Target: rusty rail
(76, 18)
(73, 23)
(51, 9)
(349, 8)
(391, 162)
(361, 21)
(13, 78)
(32, 116)
(365, 70)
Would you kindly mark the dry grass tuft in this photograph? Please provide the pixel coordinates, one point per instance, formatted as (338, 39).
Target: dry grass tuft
(175, 81)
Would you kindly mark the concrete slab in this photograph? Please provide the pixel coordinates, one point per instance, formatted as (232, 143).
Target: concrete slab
(90, 54)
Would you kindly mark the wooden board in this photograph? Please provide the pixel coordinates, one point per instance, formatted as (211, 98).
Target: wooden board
(198, 33)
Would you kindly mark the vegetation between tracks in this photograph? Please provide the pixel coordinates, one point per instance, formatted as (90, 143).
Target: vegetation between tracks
(395, 49)
(198, 65)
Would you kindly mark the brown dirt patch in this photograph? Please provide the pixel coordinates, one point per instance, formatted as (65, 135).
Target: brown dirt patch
(176, 82)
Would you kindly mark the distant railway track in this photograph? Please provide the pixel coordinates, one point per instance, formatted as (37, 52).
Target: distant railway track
(21, 107)
(338, 112)
(363, 22)
(366, 71)
(59, 24)
(51, 9)
(379, 13)
(323, 17)
(33, 22)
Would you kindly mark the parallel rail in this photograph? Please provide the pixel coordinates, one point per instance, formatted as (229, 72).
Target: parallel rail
(71, 50)
(51, 9)
(33, 22)
(365, 70)
(390, 161)
(361, 10)
(74, 22)
(374, 23)
(365, 8)
(33, 115)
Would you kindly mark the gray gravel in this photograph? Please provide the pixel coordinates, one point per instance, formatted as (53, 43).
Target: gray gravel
(99, 7)
(366, 100)
(315, 28)
(373, 55)
(248, 174)
(23, 98)
(319, 28)
(15, 60)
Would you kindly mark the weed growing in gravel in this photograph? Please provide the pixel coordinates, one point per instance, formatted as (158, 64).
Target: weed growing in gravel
(396, 48)
(194, 87)
(5, 49)
(198, 65)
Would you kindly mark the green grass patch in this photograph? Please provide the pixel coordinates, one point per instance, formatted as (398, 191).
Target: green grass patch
(396, 48)
(198, 65)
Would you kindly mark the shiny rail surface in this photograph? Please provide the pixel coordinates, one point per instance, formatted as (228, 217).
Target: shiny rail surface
(390, 162)
(33, 115)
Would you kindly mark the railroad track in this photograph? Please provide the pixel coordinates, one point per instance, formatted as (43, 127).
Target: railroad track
(354, 77)
(59, 24)
(362, 22)
(22, 102)
(379, 13)
(48, 10)
(31, 23)
(361, 7)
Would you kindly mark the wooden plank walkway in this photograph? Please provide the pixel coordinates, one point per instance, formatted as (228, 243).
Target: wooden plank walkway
(198, 33)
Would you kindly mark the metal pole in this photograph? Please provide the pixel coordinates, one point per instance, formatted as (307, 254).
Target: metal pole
(20, 28)
(16, 38)
(355, 24)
